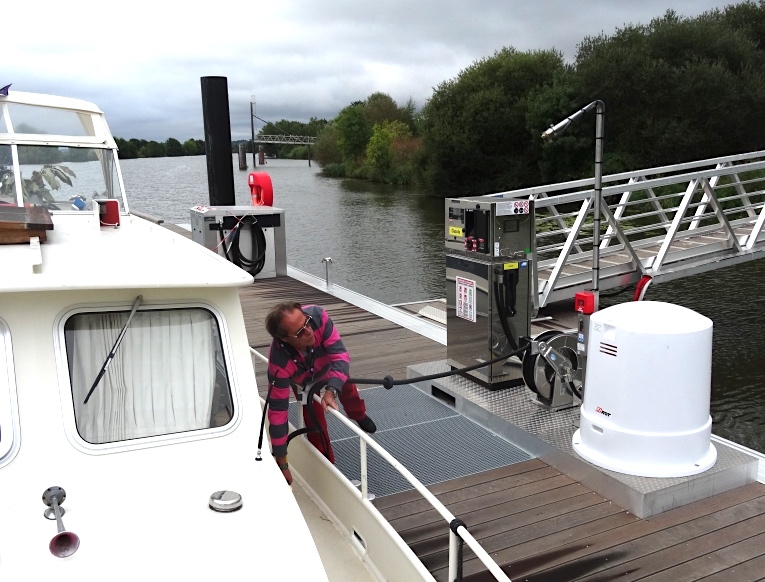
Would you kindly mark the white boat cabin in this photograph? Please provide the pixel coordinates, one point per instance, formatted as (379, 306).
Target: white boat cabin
(127, 393)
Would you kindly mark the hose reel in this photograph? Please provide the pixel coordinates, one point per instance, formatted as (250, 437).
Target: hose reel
(553, 371)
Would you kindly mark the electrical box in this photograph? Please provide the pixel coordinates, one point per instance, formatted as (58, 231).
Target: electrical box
(490, 282)
(251, 237)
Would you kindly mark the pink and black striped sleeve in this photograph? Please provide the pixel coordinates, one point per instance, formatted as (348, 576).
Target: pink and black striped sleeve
(280, 370)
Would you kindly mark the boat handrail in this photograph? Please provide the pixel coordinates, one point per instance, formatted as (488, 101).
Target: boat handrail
(460, 529)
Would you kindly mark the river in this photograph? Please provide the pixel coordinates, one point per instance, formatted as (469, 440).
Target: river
(387, 243)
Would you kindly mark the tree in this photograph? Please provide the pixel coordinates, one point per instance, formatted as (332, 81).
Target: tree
(127, 149)
(173, 147)
(153, 149)
(325, 150)
(380, 153)
(476, 139)
(353, 132)
(379, 108)
(190, 148)
(678, 89)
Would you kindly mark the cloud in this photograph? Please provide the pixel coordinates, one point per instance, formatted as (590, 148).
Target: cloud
(143, 62)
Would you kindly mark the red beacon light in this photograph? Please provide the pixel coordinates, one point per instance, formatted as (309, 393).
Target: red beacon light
(584, 302)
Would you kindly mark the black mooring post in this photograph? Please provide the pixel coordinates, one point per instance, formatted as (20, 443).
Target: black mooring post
(220, 171)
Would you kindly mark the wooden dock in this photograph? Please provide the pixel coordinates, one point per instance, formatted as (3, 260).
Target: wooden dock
(539, 524)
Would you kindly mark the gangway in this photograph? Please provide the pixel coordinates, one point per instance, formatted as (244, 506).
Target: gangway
(663, 223)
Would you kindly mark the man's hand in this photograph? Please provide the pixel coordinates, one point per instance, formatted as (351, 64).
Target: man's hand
(328, 400)
(285, 468)
(287, 475)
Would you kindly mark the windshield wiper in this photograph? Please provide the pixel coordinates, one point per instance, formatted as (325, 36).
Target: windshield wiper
(116, 346)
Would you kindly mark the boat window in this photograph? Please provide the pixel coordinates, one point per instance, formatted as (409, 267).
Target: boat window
(68, 178)
(34, 119)
(167, 375)
(7, 187)
(9, 426)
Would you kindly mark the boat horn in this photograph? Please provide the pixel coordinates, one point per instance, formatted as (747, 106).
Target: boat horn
(64, 543)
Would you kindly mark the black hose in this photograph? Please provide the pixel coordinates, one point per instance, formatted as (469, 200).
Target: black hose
(571, 388)
(255, 264)
(233, 251)
(388, 382)
(502, 308)
(315, 428)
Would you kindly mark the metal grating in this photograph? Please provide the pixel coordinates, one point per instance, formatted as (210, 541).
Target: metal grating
(429, 438)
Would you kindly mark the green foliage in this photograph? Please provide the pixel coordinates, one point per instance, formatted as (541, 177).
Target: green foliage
(382, 164)
(173, 148)
(476, 137)
(153, 149)
(379, 108)
(127, 149)
(191, 147)
(333, 171)
(325, 149)
(353, 133)
(677, 89)
(37, 188)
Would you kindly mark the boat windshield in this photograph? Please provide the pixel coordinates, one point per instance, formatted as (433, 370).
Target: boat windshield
(168, 376)
(54, 121)
(59, 178)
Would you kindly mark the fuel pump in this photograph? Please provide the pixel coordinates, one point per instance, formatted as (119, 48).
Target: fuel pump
(490, 283)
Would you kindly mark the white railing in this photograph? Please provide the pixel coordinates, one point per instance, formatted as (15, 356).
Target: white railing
(663, 223)
(461, 532)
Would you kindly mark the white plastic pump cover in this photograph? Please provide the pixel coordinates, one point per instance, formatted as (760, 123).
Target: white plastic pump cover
(647, 391)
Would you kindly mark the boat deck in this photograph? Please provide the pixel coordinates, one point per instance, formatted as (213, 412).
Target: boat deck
(538, 521)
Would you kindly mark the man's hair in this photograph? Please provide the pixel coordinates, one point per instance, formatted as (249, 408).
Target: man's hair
(276, 316)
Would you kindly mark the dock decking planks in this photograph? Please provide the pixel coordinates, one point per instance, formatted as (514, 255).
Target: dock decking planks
(540, 524)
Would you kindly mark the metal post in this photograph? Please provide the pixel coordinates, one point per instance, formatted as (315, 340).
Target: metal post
(252, 128)
(217, 124)
(454, 544)
(599, 122)
(363, 470)
(327, 261)
(600, 110)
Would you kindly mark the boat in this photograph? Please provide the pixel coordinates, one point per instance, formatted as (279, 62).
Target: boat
(129, 413)
(99, 278)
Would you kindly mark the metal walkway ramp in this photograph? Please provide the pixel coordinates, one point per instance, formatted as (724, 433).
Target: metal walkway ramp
(663, 223)
(432, 440)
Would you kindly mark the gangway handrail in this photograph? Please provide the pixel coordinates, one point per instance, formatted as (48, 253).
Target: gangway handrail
(460, 530)
(663, 223)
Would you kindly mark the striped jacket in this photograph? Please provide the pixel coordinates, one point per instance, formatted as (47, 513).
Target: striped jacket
(328, 360)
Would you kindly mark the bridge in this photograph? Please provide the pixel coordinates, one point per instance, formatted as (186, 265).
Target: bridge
(284, 139)
(661, 223)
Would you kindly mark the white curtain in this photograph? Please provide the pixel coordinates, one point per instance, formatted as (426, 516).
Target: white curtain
(159, 382)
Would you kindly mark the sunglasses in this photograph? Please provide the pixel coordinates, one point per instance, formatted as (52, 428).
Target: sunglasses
(301, 331)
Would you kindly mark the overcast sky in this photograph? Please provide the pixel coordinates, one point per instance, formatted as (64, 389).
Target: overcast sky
(141, 62)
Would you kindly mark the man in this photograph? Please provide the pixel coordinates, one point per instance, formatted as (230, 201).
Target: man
(307, 348)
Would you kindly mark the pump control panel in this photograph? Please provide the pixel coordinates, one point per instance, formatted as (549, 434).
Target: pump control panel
(490, 226)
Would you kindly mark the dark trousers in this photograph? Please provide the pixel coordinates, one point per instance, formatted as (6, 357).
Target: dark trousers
(354, 407)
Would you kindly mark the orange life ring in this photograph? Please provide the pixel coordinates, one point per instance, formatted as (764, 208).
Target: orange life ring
(261, 189)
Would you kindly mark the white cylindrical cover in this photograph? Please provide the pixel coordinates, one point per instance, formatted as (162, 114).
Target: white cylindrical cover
(647, 391)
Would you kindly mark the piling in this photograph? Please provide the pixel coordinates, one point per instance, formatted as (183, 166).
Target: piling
(217, 123)
(242, 157)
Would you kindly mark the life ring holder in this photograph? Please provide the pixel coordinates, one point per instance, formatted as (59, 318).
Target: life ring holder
(261, 189)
